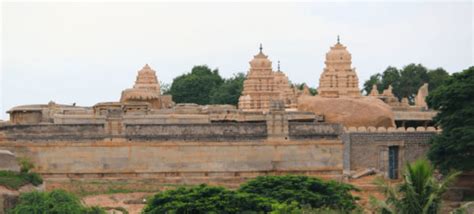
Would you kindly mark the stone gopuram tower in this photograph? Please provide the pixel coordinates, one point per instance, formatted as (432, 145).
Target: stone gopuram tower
(262, 86)
(146, 89)
(338, 78)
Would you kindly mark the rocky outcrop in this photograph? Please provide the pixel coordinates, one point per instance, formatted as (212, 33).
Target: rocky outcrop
(8, 161)
(363, 111)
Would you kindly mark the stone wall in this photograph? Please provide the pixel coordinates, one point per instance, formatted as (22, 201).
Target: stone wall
(53, 132)
(368, 147)
(179, 161)
(311, 130)
(197, 132)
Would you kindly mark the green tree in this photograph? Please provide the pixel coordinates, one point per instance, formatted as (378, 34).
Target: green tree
(454, 100)
(206, 199)
(375, 79)
(420, 192)
(412, 77)
(436, 78)
(229, 91)
(312, 91)
(54, 202)
(304, 190)
(195, 87)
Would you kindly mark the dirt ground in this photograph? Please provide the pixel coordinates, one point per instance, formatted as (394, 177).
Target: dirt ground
(132, 202)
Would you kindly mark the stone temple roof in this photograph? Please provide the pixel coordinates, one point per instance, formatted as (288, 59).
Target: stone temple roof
(260, 60)
(146, 86)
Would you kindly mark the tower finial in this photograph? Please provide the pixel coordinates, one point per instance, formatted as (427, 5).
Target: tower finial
(278, 65)
(338, 39)
(261, 48)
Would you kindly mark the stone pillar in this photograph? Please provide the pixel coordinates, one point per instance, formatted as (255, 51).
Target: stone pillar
(277, 121)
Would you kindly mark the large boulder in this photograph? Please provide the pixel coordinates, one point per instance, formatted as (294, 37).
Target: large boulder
(8, 161)
(362, 111)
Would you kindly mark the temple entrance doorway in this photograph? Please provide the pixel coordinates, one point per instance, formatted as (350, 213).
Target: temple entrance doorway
(393, 162)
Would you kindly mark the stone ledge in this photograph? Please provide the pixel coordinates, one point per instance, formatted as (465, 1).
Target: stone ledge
(363, 129)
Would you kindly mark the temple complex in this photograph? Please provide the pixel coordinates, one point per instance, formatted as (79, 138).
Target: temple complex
(146, 139)
(263, 85)
(338, 79)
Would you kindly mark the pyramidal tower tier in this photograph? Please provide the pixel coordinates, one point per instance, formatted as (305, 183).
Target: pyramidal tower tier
(338, 78)
(262, 86)
(146, 89)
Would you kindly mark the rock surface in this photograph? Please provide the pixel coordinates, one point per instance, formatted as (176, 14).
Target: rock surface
(8, 161)
(363, 111)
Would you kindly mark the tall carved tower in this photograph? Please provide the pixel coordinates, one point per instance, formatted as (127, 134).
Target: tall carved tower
(338, 78)
(259, 85)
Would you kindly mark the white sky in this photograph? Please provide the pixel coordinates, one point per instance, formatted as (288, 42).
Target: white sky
(89, 52)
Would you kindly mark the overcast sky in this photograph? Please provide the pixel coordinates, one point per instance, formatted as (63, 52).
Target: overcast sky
(89, 52)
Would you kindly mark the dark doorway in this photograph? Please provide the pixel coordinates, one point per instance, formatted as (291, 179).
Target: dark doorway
(393, 162)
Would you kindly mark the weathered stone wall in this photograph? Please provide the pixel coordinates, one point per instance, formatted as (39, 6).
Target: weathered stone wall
(8, 161)
(53, 132)
(311, 130)
(162, 132)
(197, 132)
(368, 148)
(180, 162)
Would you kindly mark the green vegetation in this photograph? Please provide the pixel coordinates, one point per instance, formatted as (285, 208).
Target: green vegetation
(276, 194)
(454, 147)
(312, 91)
(406, 81)
(195, 87)
(204, 86)
(206, 199)
(15, 180)
(229, 91)
(304, 190)
(56, 201)
(420, 192)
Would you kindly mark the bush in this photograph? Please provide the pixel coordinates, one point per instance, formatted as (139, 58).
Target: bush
(275, 194)
(25, 165)
(56, 201)
(206, 199)
(304, 190)
(15, 180)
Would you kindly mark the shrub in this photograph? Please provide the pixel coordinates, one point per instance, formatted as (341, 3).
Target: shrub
(304, 190)
(15, 180)
(275, 194)
(206, 199)
(25, 165)
(54, 202)
(420, 191)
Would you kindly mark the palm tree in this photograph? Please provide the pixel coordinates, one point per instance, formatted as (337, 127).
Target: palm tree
(420, 192)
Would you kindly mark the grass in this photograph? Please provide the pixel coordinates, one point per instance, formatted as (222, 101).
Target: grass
(15, 180)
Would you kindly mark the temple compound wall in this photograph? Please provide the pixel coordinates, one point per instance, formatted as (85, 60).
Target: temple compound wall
(216, 152)
(381, 149)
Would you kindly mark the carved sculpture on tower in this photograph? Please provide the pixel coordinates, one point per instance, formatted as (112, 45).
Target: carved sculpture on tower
(147, 89)
(338, 78)
(262, 85)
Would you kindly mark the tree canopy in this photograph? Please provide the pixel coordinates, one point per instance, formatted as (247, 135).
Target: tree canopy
(406, 81)
(56, 201)
(275, 194)
(229, 91)
(454, 147)
(196, 86)
(304, 190)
